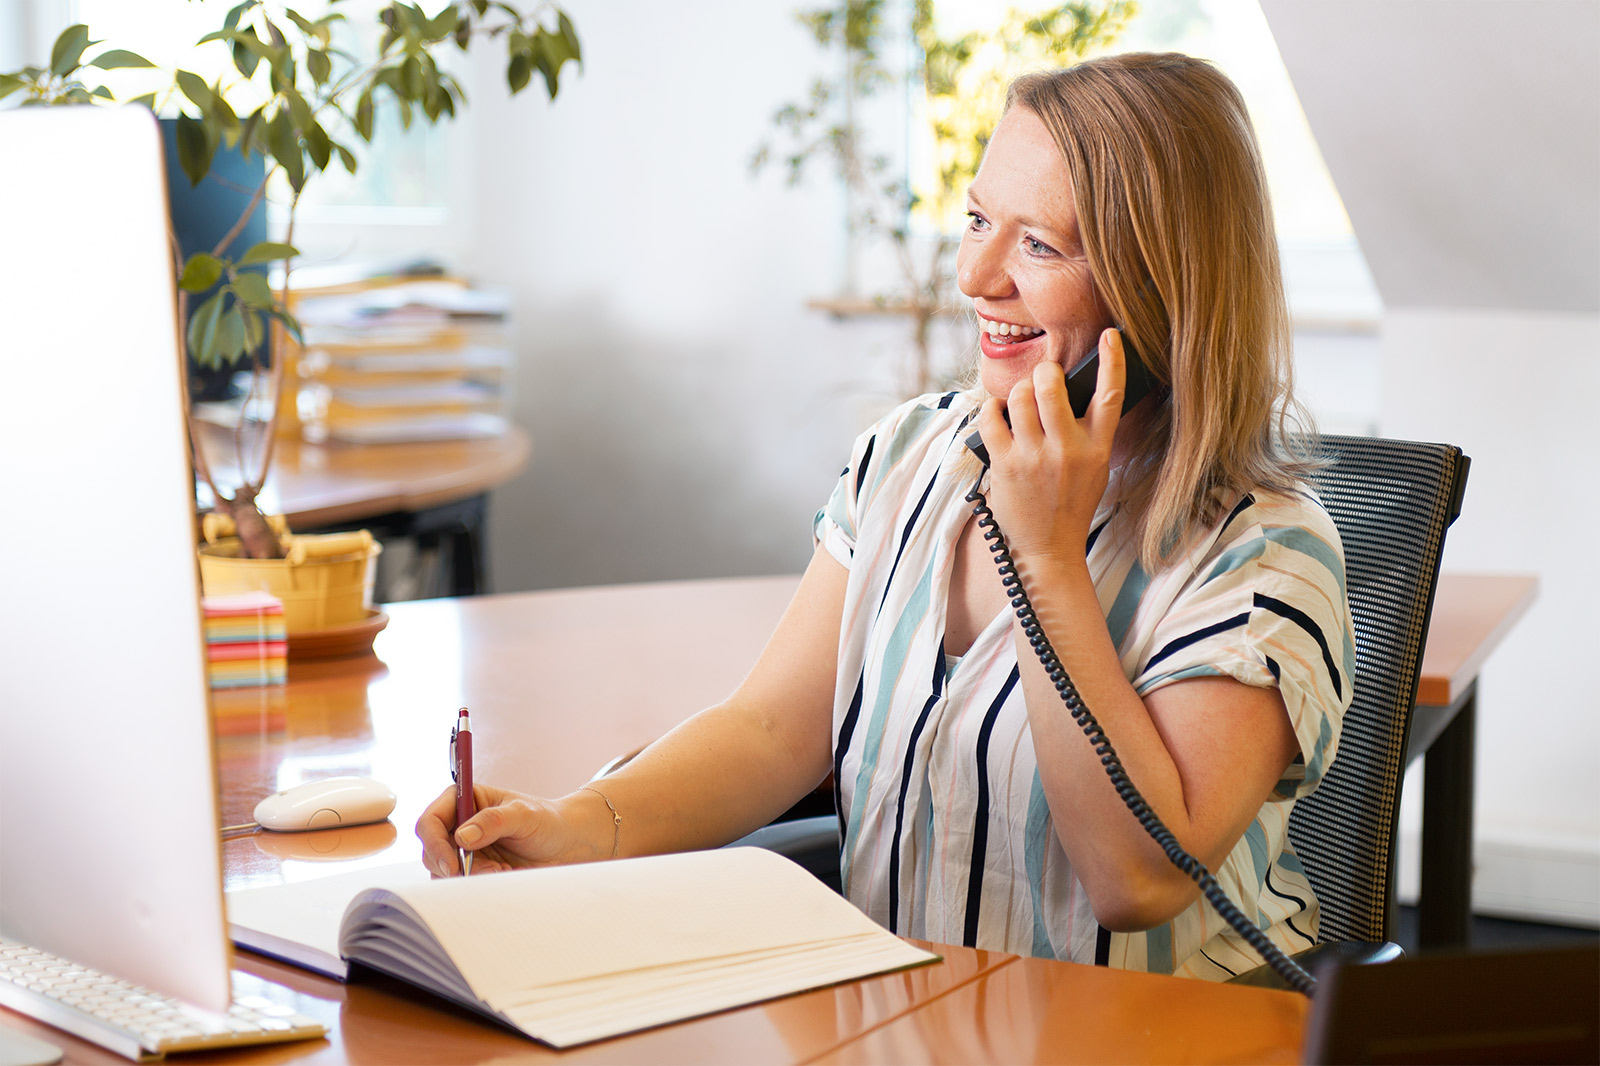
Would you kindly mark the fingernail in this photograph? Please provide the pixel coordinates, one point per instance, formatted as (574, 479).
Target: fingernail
(469, 835)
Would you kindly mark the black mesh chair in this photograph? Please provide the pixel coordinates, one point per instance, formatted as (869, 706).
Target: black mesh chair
(1392, 501)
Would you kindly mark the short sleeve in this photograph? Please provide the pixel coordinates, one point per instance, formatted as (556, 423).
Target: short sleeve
(835, 524)
(1268, 607)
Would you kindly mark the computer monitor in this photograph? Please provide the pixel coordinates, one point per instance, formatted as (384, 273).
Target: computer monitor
(109, 847)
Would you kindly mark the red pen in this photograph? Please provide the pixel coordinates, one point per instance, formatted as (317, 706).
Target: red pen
(461, 770)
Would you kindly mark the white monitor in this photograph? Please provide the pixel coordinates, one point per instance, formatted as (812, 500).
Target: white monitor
(109, 847)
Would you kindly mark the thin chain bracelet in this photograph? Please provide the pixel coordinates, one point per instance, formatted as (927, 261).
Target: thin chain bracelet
(616, 819)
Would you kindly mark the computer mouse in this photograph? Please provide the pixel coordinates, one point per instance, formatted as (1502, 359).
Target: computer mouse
(324, 804)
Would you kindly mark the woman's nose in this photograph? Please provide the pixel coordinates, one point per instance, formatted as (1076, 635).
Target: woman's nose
(981, 270)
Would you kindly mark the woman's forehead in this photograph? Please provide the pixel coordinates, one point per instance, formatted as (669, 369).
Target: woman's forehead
(1023, 174)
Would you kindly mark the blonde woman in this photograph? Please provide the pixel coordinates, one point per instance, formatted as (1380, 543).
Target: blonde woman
(1191, 584)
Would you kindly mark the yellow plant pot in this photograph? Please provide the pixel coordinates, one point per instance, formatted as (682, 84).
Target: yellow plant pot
(324, 581)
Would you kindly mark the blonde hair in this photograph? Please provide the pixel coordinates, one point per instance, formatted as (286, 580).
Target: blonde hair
(1177, 225)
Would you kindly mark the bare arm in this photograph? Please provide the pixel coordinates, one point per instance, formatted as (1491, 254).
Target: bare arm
(721, 774)
(1205, 753)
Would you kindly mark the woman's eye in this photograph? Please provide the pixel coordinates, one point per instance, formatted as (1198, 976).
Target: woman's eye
(977, 222)
(1037, 247)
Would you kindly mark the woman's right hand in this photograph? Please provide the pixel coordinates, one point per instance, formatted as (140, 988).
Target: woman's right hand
(510, 831)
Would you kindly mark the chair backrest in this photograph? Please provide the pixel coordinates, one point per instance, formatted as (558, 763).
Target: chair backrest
(1392, 501)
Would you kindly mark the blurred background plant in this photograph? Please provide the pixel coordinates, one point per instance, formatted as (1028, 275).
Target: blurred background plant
(912, 202)
(296, 95)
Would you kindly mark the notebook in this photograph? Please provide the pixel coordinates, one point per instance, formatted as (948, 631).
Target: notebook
(572, 954)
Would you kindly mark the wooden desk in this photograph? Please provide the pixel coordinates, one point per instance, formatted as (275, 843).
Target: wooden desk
(558, 682)
(329, 484)
(1472, 613)
(430, 491)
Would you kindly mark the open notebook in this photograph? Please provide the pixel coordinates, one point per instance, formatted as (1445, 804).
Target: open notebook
(570, 954)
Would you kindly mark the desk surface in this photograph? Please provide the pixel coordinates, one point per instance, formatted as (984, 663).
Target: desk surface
(1472, 613)
(328, 484)
(559, 682)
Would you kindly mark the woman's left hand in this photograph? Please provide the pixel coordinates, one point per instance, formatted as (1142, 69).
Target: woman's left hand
(1050, 468)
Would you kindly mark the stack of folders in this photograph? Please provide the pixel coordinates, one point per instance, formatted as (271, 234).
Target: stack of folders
(406, 361)
(246, 644)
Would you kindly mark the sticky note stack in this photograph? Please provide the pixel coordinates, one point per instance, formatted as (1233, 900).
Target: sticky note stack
(246, 643)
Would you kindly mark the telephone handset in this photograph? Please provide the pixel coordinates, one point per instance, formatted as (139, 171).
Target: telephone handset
(1080, 388)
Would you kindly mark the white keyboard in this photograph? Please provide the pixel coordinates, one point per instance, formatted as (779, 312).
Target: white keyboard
(130, 1020)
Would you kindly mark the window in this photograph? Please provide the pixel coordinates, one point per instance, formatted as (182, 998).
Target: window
(398, 204)
(1327, 279)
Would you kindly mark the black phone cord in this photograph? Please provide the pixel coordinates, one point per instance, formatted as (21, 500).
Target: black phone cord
(1285, 967)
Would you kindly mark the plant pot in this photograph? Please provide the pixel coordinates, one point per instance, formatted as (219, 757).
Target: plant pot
(325, 580)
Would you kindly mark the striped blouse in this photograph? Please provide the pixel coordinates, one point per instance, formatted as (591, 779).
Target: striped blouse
(947, 835)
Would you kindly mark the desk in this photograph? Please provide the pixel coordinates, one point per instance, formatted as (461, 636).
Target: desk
(558, 683)
(425, 490)
(1472, 613)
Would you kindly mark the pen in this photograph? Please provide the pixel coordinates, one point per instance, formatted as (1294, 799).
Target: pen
(461, 771)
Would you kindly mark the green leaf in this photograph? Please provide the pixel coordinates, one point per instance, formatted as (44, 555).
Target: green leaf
(320, 66)
(68, 49)
(299, 110)
(239, 12)
(195, 148)
(518, 71)
(411, 78)
(311, 29)
(249, 130)
(253, 289)
(203, 331)
(102, 93)
(196, 89)
(10, 83)
(267, 252)
(254, 334)
(285, 148)
(443, 24)
(363, 117)
(549, 68)
(318, 145)
(569, 33)
(481, 7)
(118, 59)
(200, 272)
(147, 100)
(247, 56)
(230, 335)
(346, 156)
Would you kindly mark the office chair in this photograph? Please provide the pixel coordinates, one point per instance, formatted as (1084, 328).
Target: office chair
(1392, 502)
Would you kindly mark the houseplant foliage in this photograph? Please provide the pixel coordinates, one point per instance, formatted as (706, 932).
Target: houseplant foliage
(296, 96)
(957, 85)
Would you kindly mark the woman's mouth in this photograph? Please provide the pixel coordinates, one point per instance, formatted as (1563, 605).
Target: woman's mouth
(999, 340)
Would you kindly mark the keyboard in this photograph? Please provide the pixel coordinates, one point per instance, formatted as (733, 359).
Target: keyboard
(132, 1021)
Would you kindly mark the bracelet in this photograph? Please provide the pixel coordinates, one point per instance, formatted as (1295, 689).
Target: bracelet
(616, 819)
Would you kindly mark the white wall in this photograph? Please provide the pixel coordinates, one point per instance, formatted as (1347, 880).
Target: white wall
(689, 415)
(1465, 142)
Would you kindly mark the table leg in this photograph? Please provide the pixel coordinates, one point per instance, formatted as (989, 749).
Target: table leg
(1444, 905)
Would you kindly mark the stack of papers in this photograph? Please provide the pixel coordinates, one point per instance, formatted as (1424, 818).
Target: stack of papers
(246, 643)
(418, 360)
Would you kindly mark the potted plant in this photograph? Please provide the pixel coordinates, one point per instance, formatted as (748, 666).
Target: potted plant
(295, 96)
(958, 84)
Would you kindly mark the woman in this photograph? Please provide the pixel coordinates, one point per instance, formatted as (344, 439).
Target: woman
(1191, 585)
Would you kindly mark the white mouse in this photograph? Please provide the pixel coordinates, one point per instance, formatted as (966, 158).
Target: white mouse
(325, 804)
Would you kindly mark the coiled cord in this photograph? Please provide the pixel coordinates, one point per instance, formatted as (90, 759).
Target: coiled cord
(1285, 967)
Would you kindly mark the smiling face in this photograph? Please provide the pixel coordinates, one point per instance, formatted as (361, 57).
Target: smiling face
(1021, 259)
